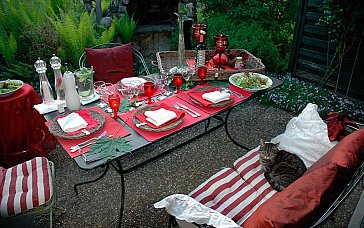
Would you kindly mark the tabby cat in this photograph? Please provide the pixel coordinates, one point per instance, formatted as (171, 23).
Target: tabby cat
(280, 167)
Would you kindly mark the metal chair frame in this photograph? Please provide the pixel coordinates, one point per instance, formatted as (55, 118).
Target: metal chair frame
(136, 56)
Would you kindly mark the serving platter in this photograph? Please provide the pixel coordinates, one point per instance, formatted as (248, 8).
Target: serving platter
(11, 86)
(233, 80)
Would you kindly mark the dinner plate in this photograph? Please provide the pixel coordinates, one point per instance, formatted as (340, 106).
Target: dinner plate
(56, 130)
(232, 80)
(216, 105)
(6, 92)
(146, 127)
(141, 79)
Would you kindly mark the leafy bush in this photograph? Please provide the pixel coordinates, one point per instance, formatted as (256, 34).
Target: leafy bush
(125, 27)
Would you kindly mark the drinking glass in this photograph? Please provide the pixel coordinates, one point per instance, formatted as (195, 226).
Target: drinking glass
(99, 89)
(137, 87)
(220, 44)
(114, 102)
(148, 91)
(108, 89)
(127, 89)
(166, 78)
(178, 81)
(187, 75)
(159, 81)
(201, 72)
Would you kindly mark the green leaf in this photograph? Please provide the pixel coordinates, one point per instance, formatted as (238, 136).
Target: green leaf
(109, 148)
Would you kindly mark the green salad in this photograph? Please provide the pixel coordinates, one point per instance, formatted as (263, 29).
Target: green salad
(251, 81)
(8, 86)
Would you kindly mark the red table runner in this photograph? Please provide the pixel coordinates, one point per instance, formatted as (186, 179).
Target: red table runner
(151, 136)
(111, 126)
(184, 96)
(141, 97)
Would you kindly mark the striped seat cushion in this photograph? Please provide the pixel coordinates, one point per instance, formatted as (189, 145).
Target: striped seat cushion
(228, 194)
(25, 186)
(249, 169)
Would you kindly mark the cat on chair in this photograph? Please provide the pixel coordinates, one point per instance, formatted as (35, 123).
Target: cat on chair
(280, 167)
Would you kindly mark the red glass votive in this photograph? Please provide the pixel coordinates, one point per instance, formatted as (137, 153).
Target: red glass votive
(202, 72)
(114, 102)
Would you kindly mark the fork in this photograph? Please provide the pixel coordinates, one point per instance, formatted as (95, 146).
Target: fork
(224, 89)
(176, 106)
(86, 143)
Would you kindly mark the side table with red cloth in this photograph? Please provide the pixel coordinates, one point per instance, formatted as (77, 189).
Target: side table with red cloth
(23, 133)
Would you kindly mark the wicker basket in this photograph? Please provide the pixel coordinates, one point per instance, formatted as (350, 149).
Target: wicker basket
(168, 59)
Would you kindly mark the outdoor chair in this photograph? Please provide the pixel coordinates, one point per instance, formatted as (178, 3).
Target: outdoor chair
(113, 62)
(240, 196)
(27, 189)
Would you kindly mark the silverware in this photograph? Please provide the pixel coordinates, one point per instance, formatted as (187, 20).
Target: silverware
(140, 124)
(86, 143)
(224, 89)
(185, 107)
(176, 106)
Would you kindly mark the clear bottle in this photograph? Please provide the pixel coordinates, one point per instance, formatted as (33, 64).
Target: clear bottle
(200, 50)
(72, 99)
(58, 80)
(44, 86)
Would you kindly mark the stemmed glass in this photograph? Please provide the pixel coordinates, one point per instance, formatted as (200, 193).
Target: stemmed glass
(99, 88)
(187, 75)
(220, 44)
(114, 102)
(178, 81)
(148, 91)
(108, 89)
(127, 90)
(201, 72)
(137, 87)
(166, 79)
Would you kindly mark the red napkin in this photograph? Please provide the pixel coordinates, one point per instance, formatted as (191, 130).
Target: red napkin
(179, 114)
(197, 95)
(335, 126)
(85, 114)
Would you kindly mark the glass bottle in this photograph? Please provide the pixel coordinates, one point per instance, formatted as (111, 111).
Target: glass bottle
(200, 50)
(44, 86)
(182, 65)
(58, 80)
(72, 99)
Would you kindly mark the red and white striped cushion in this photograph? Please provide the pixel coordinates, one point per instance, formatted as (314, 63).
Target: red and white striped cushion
(228, 194)
(25, 186)
(249, 169)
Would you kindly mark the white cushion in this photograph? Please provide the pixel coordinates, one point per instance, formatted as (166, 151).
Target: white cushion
(306, 136)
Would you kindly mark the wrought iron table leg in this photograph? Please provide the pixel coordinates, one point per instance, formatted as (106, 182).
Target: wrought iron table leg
(91, 181)
(227, 131)
(119, 169)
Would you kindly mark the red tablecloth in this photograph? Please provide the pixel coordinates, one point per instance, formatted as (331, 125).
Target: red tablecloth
(23, 134)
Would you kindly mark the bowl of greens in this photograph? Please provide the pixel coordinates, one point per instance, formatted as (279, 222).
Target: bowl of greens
(8, 87)
(251, 82)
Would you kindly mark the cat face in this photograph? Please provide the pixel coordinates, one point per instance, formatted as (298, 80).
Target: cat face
(268, 153)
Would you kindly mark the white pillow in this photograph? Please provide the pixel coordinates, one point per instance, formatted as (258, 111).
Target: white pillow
(306, 136)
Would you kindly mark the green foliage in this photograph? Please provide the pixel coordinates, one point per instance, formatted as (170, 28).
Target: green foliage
(125, 27)
(8, 46)
(21, 71)
(105, 5)
(109, 148)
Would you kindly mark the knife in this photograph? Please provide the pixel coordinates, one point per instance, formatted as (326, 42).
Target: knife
(185, 107)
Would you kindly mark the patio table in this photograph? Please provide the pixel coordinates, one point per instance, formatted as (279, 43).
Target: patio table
(139, 139)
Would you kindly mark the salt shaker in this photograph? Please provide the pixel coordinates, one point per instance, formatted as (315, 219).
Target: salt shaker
(72, 99)
(58, 81)
(44, 86)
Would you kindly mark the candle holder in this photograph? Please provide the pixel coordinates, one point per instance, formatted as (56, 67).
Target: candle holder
(220, 44)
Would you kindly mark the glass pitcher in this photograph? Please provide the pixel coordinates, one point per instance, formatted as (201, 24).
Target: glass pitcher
(84, 81)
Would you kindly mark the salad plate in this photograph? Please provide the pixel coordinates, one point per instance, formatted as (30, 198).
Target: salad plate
(251, 82)
(8, 87)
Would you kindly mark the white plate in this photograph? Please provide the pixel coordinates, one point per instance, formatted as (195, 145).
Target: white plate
(232, 81)
(128, 80)
(12, 91)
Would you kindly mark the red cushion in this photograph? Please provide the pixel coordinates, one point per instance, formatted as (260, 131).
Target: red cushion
(111, 64)
(25, 186)
(348, 153)
(298, 204)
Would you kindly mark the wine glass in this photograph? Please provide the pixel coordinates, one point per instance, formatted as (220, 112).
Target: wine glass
(166, 78)
(108, 89)
(220, 44)
(99, 89)
(137, 87)
(187, 75)
(178, 81)
(127, 90)
(159, 81)
(114, 102)
(148, 91)
(201, 72)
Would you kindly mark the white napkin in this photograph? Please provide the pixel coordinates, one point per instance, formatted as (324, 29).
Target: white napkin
(72, 122)
(216, 96)
(160, 116)
(44, 109)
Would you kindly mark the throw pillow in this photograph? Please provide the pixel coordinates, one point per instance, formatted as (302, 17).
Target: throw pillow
(306, 136)
(111, 64)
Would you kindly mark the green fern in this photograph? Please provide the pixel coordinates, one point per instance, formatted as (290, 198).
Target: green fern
(8, 46)
(125, 27)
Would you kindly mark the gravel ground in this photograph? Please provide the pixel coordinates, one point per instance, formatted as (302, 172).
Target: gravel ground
(97, 204)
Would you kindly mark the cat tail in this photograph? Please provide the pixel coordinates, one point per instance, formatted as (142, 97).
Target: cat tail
(273, 182)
